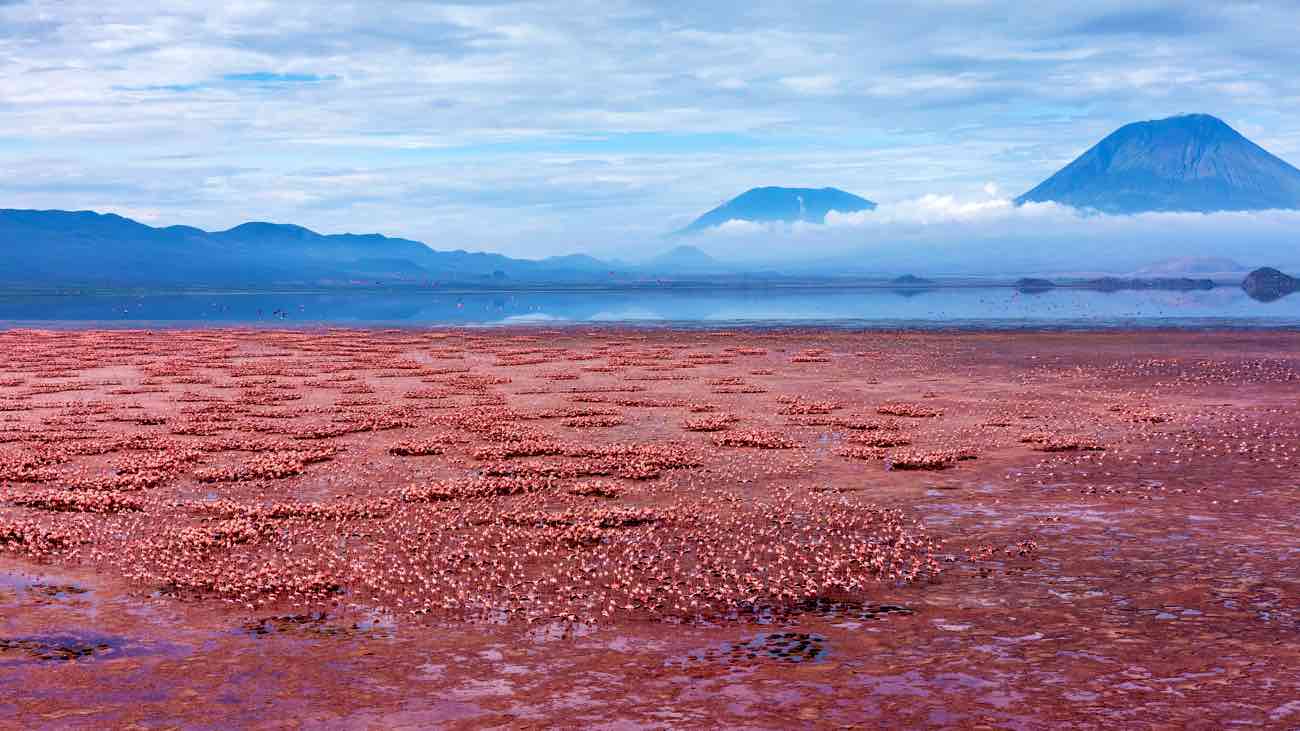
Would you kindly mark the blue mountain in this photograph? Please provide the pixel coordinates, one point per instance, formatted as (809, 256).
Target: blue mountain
(781, 204)
(1193, 162)
(683, 260)
(62, 248)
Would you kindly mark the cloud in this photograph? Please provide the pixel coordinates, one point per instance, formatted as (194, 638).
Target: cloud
(269, 77)
(537, 129)
(942, 233)
(930, 208)
(1148, 22)
(818, 84)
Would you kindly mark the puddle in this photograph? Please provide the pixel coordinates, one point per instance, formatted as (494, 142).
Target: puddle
(852, 610)
(785, 647)
(38, 589)
(62, 647)
(318, 624)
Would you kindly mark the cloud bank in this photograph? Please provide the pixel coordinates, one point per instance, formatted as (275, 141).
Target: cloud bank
(992, 235)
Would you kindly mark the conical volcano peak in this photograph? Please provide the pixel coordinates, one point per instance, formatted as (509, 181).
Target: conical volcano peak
(1192, 162)
(772, 203)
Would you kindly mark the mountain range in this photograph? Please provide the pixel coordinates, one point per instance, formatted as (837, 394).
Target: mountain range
(62, 248)
(1187, 163)
(1193, 162)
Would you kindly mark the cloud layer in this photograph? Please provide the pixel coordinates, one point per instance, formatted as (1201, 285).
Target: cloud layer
(543, 128)
(991, 235)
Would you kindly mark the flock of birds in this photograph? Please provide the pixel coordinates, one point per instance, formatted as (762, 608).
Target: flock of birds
(503, 476)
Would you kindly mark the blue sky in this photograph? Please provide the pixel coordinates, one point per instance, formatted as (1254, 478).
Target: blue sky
(538, 128)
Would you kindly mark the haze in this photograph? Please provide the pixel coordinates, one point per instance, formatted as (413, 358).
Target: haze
(535, 130)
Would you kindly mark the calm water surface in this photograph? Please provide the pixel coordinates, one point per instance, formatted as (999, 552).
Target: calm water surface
(857, 307)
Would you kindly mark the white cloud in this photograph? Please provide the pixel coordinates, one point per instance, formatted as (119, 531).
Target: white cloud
(737, 227)
(929, 208)
(817, 84)
(944, 233)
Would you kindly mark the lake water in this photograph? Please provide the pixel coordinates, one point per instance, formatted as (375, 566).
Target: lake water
(998, 308)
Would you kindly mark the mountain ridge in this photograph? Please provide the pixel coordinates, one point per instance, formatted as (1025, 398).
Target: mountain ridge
(67, 248)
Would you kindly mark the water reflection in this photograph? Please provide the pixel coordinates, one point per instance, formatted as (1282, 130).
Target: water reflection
(880, 307)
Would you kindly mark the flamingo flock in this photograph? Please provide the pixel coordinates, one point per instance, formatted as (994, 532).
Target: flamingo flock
(533, 476)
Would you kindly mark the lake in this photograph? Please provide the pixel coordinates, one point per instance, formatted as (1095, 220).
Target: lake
(968, 308)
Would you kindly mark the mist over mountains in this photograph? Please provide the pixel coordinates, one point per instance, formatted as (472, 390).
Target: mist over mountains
(1189, 190)
(777, 204)
(1182, 188)
(685, 258)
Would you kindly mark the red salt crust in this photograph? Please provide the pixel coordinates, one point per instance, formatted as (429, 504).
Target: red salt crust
(106, 440)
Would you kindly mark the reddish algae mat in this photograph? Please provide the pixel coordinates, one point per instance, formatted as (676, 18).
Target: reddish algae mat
(629, 528)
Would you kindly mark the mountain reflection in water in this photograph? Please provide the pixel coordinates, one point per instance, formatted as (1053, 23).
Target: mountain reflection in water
(992, 307)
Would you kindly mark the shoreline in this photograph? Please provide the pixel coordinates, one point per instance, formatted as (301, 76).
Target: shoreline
(577, 288)
(1010, 326)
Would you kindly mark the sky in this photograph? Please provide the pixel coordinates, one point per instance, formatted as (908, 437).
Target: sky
(543, 128)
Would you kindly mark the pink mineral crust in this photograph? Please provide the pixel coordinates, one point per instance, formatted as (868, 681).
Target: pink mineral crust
(412, 528)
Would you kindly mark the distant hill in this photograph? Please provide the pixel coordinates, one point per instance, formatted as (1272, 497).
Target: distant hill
(1267, 284)
(1031, 284)
(62, 248)
(911, 280)
(1117, 284)
(773, 204)
(1185, 265)
(579, 263)
(684, 259)
(1194, 162)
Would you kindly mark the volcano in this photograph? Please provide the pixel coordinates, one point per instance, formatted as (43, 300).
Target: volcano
(1194, 162)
